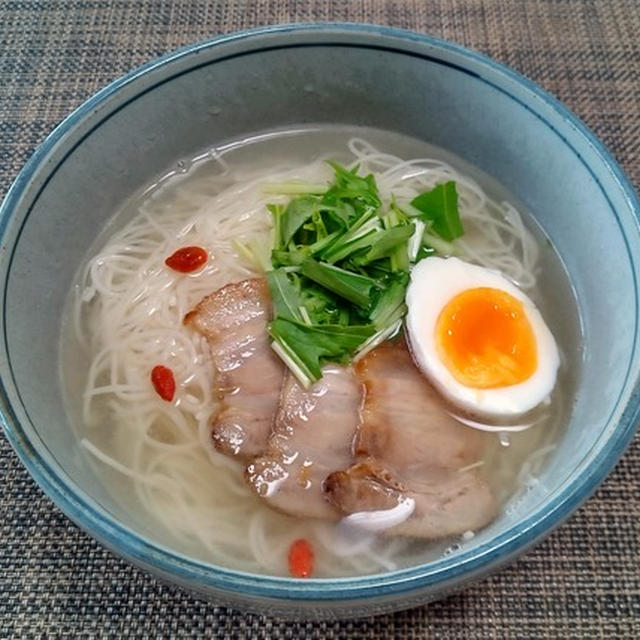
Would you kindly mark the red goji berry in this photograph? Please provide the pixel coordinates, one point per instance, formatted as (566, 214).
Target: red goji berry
(300, 559)
(163, 382)
(187, 259)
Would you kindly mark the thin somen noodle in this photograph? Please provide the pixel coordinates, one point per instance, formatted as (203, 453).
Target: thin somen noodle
(128, 315)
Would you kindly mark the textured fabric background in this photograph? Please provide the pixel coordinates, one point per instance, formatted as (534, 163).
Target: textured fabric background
(55, 581)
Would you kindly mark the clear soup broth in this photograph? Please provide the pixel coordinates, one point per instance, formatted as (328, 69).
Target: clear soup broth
(124, 315)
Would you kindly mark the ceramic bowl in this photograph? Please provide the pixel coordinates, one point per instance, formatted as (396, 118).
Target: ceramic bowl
(236, 85)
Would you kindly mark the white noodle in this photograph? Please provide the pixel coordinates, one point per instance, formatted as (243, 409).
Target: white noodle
(128, 309)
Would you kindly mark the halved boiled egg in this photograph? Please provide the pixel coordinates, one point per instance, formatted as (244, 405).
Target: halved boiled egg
(478, 338)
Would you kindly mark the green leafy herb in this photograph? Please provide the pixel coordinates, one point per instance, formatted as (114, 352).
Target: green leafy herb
(294, 187)
(353, 287)
(425, 252)
(340, 263)
(440, 205)
(386, 244)
(390, 306)
(277, 211)
(438, 244)
(298, 211)
(306, 346)
(255, 253)
(364, 226)
(362, 191)
(286, 297)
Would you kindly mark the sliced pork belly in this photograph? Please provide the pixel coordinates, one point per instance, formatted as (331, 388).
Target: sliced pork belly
(404, 420)
(365, 486)
(409, 446)
(450, 505)
(312, 436)
(248, 373)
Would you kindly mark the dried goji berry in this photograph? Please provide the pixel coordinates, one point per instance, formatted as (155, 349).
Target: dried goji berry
(187, 259)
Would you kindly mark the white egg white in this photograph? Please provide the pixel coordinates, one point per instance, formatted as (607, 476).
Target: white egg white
(434, 282)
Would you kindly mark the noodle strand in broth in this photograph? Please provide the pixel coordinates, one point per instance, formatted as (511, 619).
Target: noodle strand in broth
(128, 311)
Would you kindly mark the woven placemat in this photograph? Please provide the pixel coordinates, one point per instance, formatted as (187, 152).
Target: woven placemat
(55, 581)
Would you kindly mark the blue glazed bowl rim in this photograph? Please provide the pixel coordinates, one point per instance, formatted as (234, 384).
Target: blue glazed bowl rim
(91, 517)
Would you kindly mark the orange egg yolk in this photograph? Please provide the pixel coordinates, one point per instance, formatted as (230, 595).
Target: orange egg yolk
(484, 338)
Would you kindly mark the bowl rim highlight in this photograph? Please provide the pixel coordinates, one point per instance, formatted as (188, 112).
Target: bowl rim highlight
(89, 515)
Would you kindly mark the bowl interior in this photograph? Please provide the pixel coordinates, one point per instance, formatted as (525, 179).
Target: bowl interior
(134, 132)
